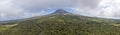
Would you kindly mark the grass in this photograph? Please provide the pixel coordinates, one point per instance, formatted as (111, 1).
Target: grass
(5, 27)
(116, 24)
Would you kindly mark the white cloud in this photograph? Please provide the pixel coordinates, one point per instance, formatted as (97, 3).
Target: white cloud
(105, 9)
(23, 8)
(110, 8)
(27, 8)
(86, 11)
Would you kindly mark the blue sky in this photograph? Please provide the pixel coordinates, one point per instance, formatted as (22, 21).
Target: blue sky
(19, 9)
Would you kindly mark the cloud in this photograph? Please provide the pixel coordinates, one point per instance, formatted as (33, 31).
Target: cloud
(23, 8)
(57, 3)
(10, 9)
(110, 8)
(103, 8)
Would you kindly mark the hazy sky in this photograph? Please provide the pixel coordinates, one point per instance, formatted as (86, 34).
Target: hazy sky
(15, 9)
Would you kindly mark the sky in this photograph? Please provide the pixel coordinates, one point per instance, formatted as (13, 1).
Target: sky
(20, 9)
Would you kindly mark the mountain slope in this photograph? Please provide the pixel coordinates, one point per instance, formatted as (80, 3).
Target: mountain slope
(61, 23)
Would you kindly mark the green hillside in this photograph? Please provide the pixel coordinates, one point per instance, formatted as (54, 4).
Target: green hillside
(61, 24)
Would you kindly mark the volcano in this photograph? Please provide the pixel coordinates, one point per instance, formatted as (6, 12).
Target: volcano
(61, 22)
(60, 11)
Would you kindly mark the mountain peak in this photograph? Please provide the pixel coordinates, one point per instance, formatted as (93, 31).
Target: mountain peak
(60, 11)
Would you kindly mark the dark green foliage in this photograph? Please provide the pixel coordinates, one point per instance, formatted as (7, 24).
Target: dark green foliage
(63, 25)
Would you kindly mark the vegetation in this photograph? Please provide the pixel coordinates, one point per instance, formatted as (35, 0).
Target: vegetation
(61, 25)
